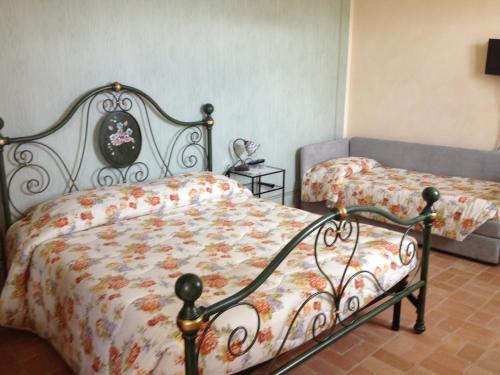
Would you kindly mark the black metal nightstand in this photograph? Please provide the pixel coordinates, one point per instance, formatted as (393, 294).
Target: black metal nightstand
(259, 187)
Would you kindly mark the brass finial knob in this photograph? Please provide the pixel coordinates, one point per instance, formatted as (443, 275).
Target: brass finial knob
(430, 195)
(188, 287)
(208, 109)
(117, 87)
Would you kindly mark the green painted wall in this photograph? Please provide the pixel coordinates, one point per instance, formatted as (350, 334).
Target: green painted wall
(274, 69)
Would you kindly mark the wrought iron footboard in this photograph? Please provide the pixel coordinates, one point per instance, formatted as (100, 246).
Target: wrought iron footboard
(340, 224)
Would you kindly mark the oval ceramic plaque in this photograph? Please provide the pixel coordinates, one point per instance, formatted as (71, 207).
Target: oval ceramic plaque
(120, 139)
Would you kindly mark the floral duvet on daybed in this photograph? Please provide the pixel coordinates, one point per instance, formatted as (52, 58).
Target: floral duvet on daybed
(93, 272)
(465, 203)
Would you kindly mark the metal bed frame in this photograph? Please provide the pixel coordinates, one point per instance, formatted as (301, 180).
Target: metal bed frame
(195, 321)
(18, 158)
(30, 165)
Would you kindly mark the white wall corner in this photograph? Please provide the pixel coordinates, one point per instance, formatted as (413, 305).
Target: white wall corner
(343, 69)
(345, 124)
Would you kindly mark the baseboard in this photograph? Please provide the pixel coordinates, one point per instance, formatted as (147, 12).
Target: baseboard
(291, 198)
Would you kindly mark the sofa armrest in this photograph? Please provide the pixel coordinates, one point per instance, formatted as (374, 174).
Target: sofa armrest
(311, 155)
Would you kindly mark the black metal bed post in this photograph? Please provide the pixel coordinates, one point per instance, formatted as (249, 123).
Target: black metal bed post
(430, 196)
(3, 179)
(5, 206)
(209, 109)
(189, 320)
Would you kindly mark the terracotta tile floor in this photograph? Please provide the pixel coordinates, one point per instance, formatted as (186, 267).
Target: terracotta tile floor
(462, 337)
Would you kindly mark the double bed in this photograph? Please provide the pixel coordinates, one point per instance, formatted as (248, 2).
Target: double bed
(189, 273)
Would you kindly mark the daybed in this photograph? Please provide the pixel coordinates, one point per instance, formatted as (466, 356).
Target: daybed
(482, 168)
(190, 271)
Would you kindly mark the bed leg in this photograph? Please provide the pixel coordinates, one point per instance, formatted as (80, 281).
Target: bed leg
(396, 316)
(189, 320)
(420, 324)
(396, 312)
(430, 195)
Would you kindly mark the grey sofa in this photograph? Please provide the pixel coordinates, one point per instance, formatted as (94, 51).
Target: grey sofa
(484, 243)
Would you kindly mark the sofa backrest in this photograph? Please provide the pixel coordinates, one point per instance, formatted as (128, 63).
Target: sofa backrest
(316, 153)
(443, 160)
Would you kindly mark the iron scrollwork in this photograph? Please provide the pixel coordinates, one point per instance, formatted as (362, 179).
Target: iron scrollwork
(233, 341)
(187, 158)
(189, 288)
(190, 160)
(343, 311)
(117, 102)
(110, 99)
(39, 181)
(108, 175)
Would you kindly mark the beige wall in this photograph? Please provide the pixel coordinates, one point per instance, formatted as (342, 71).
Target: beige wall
(416, 72)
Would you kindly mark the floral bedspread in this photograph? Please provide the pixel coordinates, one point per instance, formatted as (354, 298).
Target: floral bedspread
(465, 203)
(93, 272)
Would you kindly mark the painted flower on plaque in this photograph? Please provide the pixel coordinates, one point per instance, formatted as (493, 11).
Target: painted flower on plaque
(120, 139)
(122, 135)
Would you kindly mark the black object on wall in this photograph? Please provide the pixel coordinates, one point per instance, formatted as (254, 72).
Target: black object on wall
(493, 57)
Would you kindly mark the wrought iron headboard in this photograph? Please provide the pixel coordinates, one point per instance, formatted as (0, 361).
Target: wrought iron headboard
(119, 140)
